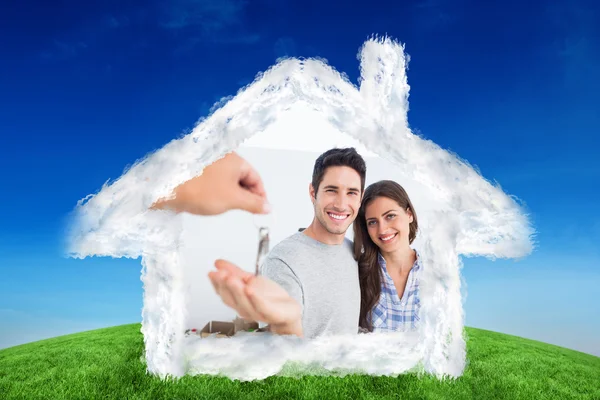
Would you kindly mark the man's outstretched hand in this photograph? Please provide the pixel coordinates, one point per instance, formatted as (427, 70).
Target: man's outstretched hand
(227, 184)
(256, 298)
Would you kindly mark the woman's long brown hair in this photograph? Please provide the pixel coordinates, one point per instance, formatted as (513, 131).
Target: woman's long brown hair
(366, 252)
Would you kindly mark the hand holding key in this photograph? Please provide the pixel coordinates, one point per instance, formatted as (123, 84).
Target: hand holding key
(227, 184)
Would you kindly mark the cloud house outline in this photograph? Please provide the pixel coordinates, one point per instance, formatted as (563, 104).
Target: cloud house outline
(477, 220)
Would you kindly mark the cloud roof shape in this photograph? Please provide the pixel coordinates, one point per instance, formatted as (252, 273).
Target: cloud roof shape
(116, 221)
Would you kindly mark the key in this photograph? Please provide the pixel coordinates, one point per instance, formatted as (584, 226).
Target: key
(263, 247)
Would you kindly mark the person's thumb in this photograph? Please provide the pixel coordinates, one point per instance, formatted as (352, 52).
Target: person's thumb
(252, 203)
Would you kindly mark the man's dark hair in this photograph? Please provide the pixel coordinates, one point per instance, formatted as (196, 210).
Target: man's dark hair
(347, 157)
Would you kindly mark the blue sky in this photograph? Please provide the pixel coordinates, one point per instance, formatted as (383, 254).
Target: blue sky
(87, 89)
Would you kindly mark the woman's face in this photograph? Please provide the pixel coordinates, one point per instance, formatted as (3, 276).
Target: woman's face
(388, 224)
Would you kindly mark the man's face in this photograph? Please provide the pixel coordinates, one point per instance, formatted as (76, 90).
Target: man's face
(338, 199)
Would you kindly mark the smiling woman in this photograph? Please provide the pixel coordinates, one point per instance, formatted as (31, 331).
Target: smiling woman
(385, 228)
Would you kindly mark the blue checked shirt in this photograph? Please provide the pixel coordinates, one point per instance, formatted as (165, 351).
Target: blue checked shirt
(392, 313)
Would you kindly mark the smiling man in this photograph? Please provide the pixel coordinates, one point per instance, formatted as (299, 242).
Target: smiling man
(308, 284)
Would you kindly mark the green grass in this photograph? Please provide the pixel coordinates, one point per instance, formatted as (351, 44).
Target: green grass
(105, 364)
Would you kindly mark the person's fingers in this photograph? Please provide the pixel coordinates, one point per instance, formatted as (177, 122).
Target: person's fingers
(217, 278)
(234, 281)
(252, 196)
(228, 284)
(226, 292)
(257, 303)
(248, 278)
(230, 268)
(243, 306)
(251, 180)
(230, 288)
(253, 203)
(213, 280)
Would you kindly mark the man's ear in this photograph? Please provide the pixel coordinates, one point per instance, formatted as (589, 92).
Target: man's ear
(311, 192)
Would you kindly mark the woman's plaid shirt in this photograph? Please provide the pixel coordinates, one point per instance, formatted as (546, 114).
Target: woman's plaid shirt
(392, 313)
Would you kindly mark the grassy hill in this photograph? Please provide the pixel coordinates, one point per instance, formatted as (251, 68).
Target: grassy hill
(105, 364)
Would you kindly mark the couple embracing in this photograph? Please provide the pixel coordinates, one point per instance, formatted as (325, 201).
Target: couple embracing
(317, 282)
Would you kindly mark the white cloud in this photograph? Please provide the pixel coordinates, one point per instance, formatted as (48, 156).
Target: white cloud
(459, 212)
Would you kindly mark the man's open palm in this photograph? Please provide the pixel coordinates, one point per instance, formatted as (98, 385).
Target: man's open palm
(256, 298)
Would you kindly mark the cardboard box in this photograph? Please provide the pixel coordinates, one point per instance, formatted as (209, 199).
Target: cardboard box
(222, 329)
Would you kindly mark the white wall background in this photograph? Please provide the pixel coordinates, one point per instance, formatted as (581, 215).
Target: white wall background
(234, 237)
